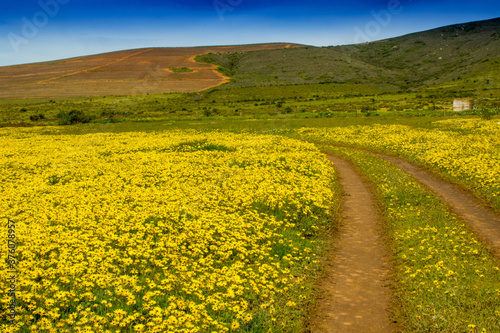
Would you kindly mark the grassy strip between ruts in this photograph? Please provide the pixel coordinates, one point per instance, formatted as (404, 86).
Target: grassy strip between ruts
(445, 279)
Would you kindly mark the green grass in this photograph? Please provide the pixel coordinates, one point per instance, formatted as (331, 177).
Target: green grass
(290, 101)
(285, 124)
(445, 279)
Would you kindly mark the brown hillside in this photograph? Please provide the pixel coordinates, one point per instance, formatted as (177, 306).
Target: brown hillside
(128, 72)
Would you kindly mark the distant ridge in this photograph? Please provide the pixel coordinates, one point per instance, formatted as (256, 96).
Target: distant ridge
(459, 56)
(460, 52)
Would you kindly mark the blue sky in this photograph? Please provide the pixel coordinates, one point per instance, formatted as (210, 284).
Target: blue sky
(43, 30)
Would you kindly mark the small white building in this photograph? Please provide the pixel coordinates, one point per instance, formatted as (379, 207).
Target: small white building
(462, 104)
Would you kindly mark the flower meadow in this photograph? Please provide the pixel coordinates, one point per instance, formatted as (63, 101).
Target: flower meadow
(172, 231)
(465, 151)
(213, 231)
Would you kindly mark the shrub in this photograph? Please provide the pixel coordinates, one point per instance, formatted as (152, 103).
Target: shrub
(181, 70)
(73, 117)
(37, 117)
(486, 114)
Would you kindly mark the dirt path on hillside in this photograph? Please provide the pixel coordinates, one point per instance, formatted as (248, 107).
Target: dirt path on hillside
(484, 221)
(213, 68)
(355, 295)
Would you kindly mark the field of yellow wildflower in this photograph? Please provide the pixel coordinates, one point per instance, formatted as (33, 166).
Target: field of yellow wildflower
(174, 231)
(465, 151)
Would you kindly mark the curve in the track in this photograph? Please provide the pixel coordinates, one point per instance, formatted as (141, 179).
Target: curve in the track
(484, 221)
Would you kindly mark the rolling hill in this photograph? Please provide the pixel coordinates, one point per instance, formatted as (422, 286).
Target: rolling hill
(130, 72)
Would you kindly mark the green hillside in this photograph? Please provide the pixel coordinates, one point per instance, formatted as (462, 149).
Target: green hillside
(464, 56)
(297, 66)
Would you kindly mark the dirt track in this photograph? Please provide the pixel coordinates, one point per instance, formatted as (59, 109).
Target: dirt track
(483, 220)
(355, 296)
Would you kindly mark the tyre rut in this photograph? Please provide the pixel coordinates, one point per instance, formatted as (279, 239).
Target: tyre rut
(355, 295)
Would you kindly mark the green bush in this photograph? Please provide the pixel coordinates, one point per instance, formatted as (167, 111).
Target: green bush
(73, 117)
(181, 70)
(487, 114)
(37, 117)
